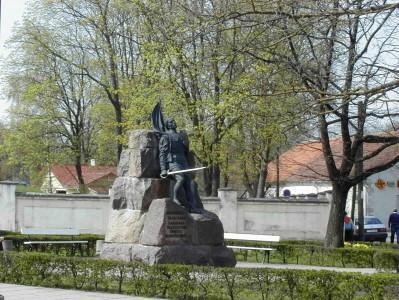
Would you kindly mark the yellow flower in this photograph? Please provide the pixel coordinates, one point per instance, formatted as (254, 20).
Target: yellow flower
(360, 246)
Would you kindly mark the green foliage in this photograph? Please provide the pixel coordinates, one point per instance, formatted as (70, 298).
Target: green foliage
(27, 189)
(388, 259)
(104, 139)
(191, 282)
(381, 256)
(28, 146)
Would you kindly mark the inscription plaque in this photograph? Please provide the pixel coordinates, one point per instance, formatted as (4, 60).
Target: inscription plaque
(175, 226)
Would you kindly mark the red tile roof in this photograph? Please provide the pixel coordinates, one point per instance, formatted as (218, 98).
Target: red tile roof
(67, 176)
(305, 162)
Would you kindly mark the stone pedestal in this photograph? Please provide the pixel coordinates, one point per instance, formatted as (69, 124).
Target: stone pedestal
(219, 256)
(145, 225)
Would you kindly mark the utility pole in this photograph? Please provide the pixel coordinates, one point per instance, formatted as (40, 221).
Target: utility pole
(359, 170)
(278, 173)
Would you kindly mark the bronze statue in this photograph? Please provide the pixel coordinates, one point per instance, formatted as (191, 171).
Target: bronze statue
(173, 156)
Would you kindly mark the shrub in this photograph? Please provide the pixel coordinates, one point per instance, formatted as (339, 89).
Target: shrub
(388, 259)
(191, 282)
(359, 255)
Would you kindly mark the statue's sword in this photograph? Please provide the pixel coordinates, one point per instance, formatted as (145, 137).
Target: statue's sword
(186, 171)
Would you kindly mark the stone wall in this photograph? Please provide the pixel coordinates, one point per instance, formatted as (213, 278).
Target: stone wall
(7, 205)
(87, 213)
(292, 219)
(301, 217)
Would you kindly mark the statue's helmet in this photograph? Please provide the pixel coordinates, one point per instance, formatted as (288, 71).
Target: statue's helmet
(170, 123)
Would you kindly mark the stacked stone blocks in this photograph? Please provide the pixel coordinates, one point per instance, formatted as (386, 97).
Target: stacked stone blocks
(145, 225)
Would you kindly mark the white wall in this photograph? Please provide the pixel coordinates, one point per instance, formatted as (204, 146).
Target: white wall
(88, 213)
(55, 184)
(305, 220)
(291, 218)
(301, 188)
(381, 202)
(7, 205)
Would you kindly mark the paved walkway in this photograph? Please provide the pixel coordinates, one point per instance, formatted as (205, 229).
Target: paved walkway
(243, 264)
(22, 292)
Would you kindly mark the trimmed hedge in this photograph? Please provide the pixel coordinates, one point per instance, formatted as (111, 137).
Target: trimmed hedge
(363, 256)
(192, 282)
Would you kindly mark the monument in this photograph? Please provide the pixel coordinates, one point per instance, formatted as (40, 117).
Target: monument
(157, 215)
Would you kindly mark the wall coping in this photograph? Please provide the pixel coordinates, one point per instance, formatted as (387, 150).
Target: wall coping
(283, 200)
(9, 182)
(46, 196)
(226, 189)
(210, 199)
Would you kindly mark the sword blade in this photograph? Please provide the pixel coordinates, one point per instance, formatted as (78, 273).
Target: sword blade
(186, 170)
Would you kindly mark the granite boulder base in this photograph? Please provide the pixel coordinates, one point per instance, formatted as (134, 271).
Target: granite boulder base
(171, 235)
(218, 256)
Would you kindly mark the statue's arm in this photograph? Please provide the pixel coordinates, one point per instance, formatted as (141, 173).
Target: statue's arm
(163, 155)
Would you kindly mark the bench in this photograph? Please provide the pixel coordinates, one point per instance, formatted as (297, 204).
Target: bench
(64, 232)
(255, 238)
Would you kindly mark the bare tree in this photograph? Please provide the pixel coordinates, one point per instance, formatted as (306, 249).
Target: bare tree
(343, 53)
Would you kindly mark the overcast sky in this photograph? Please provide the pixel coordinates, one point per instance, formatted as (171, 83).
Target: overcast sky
(11, 14)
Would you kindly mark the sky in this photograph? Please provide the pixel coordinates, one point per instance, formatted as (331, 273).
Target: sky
(11, 13)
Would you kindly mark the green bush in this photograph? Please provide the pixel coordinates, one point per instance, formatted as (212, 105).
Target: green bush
(387, 260)
(191, 282)
(364, 256)
(367, 255)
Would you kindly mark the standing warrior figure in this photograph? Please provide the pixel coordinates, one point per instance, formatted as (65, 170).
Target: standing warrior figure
(173, 156)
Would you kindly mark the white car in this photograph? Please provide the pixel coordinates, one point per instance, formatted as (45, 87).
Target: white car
(374, 230)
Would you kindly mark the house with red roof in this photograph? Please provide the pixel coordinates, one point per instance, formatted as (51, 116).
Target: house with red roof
(63, 179)
(302, 170)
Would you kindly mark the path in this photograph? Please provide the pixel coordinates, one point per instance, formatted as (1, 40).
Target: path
(243, 264)
(22, 292)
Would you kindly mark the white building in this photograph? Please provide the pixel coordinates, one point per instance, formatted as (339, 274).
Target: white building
(302, 170)
(63, 179)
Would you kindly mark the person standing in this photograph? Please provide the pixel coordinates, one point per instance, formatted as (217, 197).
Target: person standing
(393, 224)
(348, 226)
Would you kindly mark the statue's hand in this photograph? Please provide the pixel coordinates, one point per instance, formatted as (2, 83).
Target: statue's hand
(164, 174)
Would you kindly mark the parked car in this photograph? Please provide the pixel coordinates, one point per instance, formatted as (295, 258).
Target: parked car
(374, 229)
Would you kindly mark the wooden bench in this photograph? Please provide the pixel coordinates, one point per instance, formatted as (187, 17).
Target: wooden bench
(75, 244)
(252, 237)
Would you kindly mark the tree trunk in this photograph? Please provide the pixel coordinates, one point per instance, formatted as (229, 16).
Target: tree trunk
(118, 130)
(79, 173)
(361, 111)
(215, 180)
(208, 181)
(260, 192)
(334, 235)
(354, 190)
(278, 174)
(226, 179)
(360, 211)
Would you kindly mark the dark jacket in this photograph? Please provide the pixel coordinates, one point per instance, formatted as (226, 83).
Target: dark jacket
(173, 151)
(393, 219)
